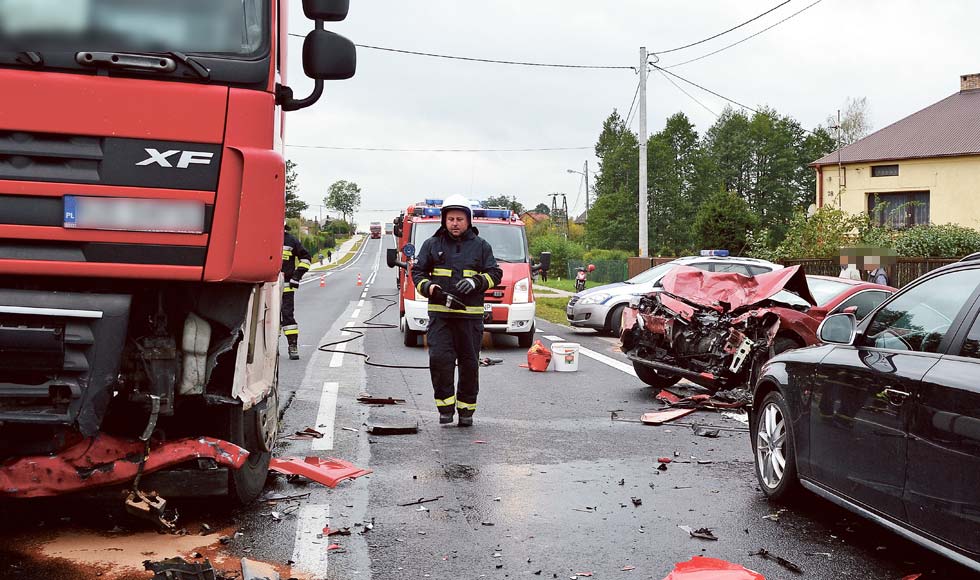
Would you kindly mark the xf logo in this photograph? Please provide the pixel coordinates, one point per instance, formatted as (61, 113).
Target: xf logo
(186, 159)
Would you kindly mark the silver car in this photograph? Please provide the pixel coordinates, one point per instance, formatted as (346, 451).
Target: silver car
(602, 307)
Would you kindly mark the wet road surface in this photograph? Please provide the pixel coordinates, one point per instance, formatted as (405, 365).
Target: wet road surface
(543, 485)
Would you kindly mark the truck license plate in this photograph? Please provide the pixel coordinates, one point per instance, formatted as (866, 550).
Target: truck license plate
(133, 214)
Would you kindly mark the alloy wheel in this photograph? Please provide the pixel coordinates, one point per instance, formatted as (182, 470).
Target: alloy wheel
(771, 445)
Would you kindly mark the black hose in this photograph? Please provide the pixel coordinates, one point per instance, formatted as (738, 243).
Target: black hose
(369, 325)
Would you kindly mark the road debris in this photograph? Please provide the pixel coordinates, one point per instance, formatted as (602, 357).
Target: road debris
(421, 501)
(767, 555)
(489, 362)
(700, 567)
(706, 432)
(588, 510)
(325, 470)
(394, 429)
(180, 569)
(703, 533)
(637, 502)
(628, 568)
(664, 416)
(774, 517)
(488, 524)
(479, 442)
(369, 400)
(351, 429)
(308, 433)
(277, 498)
(150, 506)
(255, 570)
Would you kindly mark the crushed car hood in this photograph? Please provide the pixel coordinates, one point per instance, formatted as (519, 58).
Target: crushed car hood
(728, 291)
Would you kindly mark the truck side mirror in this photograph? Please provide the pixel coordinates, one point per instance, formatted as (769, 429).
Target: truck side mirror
(329, 10)
(328, 56)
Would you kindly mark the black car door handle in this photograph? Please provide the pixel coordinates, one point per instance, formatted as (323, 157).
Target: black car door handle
(896, 397)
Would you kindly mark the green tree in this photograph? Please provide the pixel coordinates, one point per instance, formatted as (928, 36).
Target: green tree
(343, 196)
(510, 203)
(542, 208)
(723, 221)
(613, 222)
(294, 205)
(855, 121)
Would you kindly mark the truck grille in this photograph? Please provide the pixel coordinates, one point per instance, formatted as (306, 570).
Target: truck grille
(50, 157)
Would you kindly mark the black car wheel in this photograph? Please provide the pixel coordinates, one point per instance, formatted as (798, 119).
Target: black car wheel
(616, 320)
(653, 378)
(775, 449)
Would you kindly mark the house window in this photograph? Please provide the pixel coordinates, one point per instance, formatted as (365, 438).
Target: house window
(899, 210)
(884, 170)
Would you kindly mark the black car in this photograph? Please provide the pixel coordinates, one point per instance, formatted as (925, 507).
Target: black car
(884, 419)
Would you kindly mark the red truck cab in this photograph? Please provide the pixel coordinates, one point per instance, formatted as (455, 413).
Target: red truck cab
(375, 230)
(509, 306)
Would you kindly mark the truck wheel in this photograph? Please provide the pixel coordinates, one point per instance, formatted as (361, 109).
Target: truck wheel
(255, 430)
(527, 339)
(616, 320)
(409, 336)
(652, 377)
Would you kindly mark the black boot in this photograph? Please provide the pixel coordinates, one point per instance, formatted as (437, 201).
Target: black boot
(445, 418)
(293, 341)
(466, 421)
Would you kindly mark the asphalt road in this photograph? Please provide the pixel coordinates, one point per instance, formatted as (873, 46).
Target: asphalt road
(541, 486)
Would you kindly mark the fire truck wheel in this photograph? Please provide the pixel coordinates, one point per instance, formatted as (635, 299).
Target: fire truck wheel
(255, 430)
(527, 339)
(410, 336)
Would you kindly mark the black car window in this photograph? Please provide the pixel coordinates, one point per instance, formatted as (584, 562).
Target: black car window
(736, 268)
(971, 346)
(865, 302)
(918, 319)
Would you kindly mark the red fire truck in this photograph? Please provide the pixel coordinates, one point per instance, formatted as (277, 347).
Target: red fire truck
(141, 212)
(375, 230)
(509, 305)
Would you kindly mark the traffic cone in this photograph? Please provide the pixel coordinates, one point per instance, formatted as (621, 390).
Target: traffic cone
(359, 281)
(323, 281)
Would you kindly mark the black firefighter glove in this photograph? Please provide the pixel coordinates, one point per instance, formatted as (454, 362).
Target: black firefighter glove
(294, 283)
(467, 285)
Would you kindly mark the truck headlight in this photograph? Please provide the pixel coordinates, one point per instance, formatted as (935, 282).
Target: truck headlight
(522, 291)
(597, 298)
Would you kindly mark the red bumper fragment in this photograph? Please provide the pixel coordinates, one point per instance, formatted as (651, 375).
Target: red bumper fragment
(702, 568)
(105, 460)
(325, 470)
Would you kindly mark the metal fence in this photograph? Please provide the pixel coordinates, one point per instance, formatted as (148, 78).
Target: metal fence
(901, 273)
(606, 271)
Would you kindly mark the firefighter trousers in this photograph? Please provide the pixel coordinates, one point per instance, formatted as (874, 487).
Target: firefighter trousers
(454, 343)
(288, 319)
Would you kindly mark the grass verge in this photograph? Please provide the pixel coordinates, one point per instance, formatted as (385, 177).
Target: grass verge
(343, 259)
(567, 285)
(551, 309)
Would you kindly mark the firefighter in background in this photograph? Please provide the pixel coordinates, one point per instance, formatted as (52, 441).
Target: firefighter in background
(295, 263)
(453, 269)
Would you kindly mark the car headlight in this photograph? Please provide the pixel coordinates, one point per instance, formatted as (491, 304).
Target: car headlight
(522, 291)
(635, 300)
(597, 298)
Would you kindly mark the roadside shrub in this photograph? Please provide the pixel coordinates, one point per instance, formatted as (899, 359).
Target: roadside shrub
(821, 235)
(944, 241)
(338, 228)
(722, 222)
(606, 256)
(562, 251)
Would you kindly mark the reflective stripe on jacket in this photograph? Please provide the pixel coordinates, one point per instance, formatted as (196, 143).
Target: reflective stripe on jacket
(295, 258)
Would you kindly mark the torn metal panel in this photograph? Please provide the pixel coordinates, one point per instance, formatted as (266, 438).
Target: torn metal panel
(394, 429)
(325, 470)
(106, 460)
(664, 416)
(728, 291)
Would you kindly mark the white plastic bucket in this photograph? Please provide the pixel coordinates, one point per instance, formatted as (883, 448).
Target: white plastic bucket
(565, 356)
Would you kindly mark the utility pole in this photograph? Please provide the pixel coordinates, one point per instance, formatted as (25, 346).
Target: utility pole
(586, 191)
(642, 106)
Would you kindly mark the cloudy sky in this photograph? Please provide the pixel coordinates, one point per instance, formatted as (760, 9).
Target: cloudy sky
(902, 55)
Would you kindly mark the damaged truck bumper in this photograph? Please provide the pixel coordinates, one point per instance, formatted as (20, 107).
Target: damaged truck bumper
(104, 460)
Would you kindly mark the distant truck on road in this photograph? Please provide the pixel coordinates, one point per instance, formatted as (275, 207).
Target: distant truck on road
(375, 229)
(389, 228)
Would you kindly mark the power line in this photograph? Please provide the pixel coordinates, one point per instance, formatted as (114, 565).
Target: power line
(630, 114)
(702, 41)
(689, 95)
(439, 150)
(705, 89)
(747, 37)
(488, 60)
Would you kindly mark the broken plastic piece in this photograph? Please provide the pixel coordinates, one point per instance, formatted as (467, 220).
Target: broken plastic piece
(308, 433)
(149, 506)
(628, 568)
(701, 568)
(106, 460)
(325, 470)
(703, 533)
(421, 501)
(637, 502)
(767, 555)
(664, 416)
(254, 570)
(706, 432)
(402, 429)
(368, 400)
(180, 569)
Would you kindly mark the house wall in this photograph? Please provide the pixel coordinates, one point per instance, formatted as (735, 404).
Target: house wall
(953, 184)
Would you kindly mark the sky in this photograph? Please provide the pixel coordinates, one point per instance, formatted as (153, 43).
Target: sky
(902, 55)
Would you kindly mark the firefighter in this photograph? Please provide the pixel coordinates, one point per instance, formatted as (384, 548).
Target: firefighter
(295, 263)
(453, 269)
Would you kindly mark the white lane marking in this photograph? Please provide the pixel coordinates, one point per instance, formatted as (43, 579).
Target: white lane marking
(325, 417)
(338, 357)
(606, 360)
(310, 552)
(356, 313)
(360, 303)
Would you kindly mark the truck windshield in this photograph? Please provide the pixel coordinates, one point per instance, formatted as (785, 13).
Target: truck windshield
(232, 28)
(507, 241)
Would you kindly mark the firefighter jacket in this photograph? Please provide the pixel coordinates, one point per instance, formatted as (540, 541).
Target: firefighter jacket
(295, 261)
(445, 261)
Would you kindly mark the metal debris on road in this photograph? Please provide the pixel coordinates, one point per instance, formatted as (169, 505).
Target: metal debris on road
(489, 362)
(369, 400)
(325, 470)
(486, 523)
(637, 502)
(774, 517)
(702, 533)
(588, 510)
(767, 555)
(351, 429)
(394, 429)
(308, 433)
(700, 567)
(277, 498)
(706, 432)
(150, 506)
(664, 416)
(180, 569)
(479, 442)
(421, 501)
(628, 568)
(255, 570)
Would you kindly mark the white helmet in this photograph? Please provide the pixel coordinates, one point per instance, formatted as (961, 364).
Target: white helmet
(457, 202)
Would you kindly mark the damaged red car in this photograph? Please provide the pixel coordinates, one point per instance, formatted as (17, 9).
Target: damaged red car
(717, 328)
